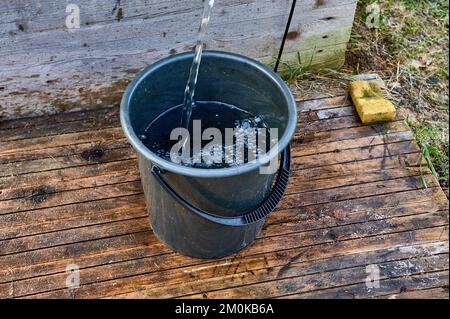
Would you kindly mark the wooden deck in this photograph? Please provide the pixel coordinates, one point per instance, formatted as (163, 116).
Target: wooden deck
(70, 194)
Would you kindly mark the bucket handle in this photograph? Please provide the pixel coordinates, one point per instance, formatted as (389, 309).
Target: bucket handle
(250, 217)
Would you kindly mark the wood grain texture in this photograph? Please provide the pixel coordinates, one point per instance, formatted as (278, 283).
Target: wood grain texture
(47, 68)
(356, 197)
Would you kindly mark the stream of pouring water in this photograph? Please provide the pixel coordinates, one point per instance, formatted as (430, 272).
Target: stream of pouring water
(219, 115)
(189, 92)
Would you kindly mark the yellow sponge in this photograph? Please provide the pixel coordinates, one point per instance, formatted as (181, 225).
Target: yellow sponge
(370, 103)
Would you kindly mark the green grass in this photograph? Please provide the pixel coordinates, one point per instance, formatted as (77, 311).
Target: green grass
(410, 51)
(433, 151)
(295, 70)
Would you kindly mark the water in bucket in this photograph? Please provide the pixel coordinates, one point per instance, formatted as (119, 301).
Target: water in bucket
(211, 115)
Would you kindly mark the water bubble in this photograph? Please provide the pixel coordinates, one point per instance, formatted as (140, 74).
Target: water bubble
(246, 124)
(212, 114)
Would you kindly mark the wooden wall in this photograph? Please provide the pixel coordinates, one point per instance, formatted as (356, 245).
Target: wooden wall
(47, 68)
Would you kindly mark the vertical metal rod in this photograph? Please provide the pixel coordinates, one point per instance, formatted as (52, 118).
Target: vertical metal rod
(288, 26)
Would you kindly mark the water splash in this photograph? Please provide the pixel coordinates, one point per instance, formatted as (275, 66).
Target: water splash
(239, 150)
(189, 92)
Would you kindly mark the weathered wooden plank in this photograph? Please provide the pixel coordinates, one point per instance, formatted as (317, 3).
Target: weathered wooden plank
(349, 211)
(307, 267)
(330, 56)
(44, 197)
(100, 150)
(105, 118)
(63, 69)
(73, 178)
(430, 293)
(327, 279)
(234, 23)
(322, 216)
(215, 269)
(71, 216)
(323, 103)
(83, 248)
(62, 147)
(30, 196)
(228, 267)
(336, 112)
(34, 122)
(47, 14)
(115, 134)
(327, 124)
(298, 185)
(85, 254)
(368, 165)
(323, 114)
(357, 154)
(16, 245)
(363, 142)
(53, 163)
(219, 272)
(363, 229)
(349, 133)
(391, 286)
(306, 123)
(85, 149)
(356, 191)
(321, 236)
(60, 140)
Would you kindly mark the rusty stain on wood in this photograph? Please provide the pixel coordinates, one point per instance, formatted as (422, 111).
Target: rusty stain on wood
(94, 153)
(319, 3)
(293, 35)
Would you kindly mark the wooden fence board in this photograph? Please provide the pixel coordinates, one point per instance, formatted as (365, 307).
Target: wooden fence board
(48, 68)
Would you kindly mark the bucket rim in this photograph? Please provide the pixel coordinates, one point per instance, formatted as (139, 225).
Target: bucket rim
(204, 172)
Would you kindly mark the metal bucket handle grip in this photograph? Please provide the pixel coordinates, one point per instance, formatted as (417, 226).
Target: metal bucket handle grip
(251, 217)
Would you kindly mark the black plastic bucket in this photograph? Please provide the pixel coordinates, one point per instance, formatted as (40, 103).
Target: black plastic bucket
(210, 213)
